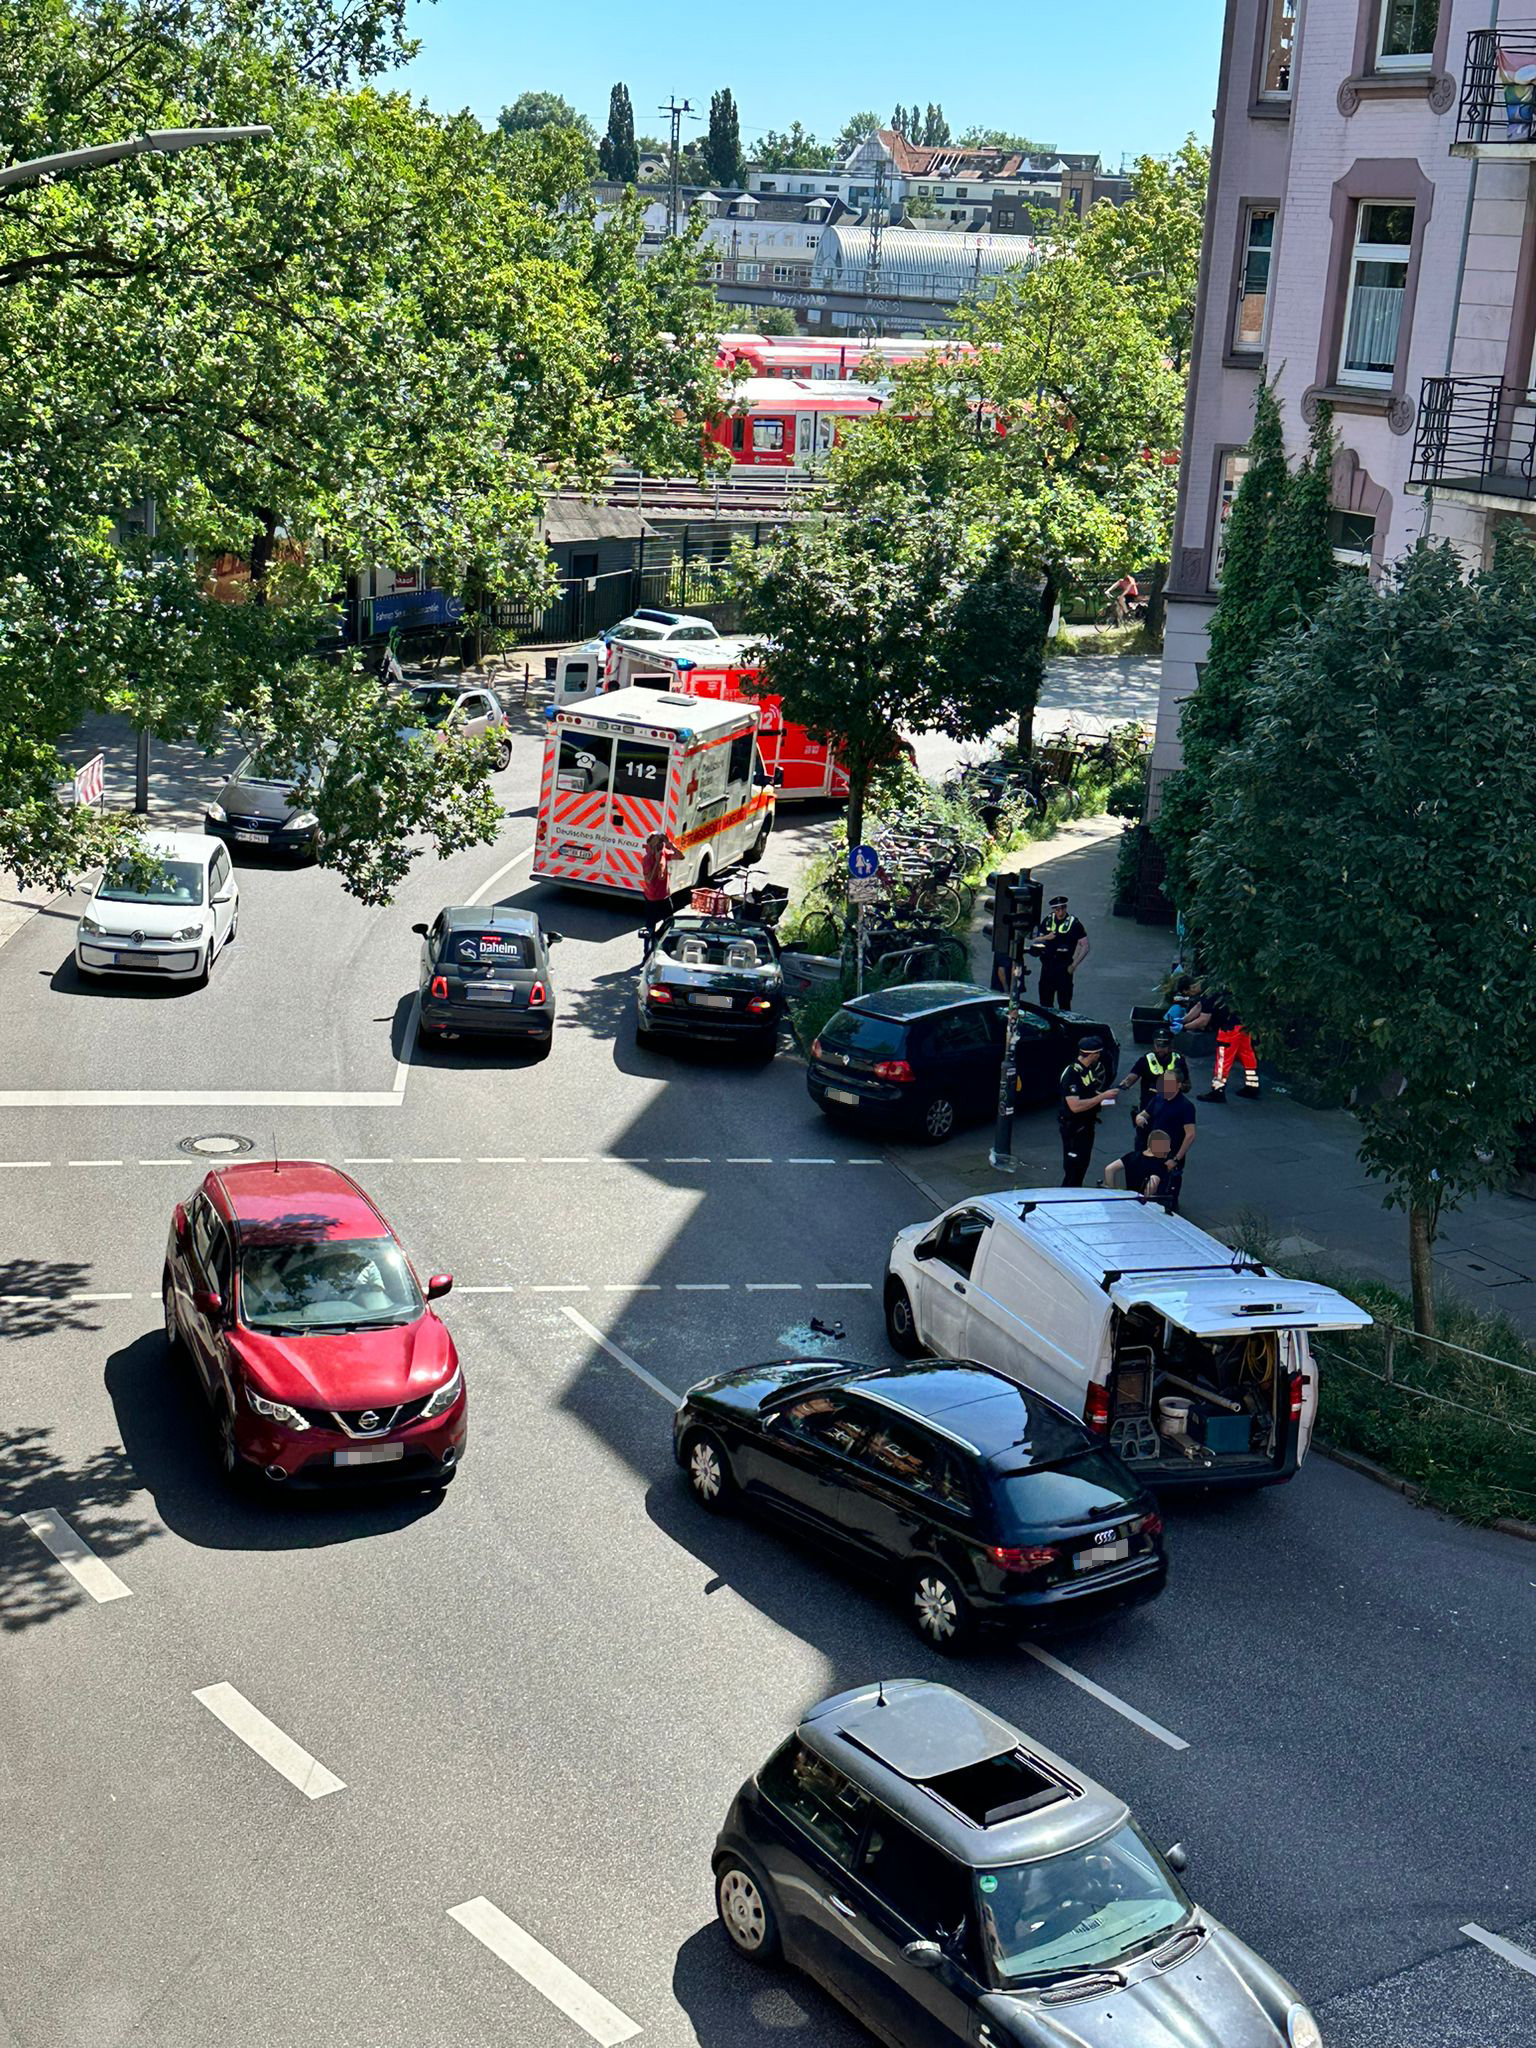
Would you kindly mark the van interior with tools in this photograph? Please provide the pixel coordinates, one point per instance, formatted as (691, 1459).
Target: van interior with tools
(1194, 1361)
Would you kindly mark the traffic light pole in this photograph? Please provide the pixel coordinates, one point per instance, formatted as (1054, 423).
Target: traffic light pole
(1015, 906)
(1001, 1155)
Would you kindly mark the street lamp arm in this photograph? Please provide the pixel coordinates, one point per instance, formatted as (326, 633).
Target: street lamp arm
(159, 142)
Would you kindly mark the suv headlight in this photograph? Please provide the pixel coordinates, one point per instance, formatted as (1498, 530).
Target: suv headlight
(440, 1402)
(218, 814)
(1302, 2028)
(303, 821)
(275, 1411)
(189, 931)
(89, 924)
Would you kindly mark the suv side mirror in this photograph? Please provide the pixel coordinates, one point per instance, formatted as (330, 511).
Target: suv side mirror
(1177, 1858)
(419, 928)
(923, 1955)
(553, 938)
(926, 1249)
(438, 1286)
(208, 1302)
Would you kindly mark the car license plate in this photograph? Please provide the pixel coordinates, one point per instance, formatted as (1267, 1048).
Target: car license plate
(486, 992)
(376, 1454)
(713, 1002)
(254, 838)
(136, 959)
(1103, 1553)
(843, 1095)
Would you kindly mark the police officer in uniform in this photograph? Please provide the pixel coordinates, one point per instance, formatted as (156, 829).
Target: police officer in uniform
(1083, 1092)
(1062, 946)
(1149, 1070)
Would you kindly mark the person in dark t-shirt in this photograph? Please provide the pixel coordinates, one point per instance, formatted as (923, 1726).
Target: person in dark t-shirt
(1149, 1173)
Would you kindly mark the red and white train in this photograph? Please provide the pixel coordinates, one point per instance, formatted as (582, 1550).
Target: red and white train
(789, 422)
(773, 355)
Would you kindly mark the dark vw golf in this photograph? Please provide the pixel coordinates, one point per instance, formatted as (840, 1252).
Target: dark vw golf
(950, 1881)
(973, 1498)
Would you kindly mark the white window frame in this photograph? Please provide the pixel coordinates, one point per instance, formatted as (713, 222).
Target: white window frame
(1374, 252)
(768, 436)
(748, 273)
(1404, 60)
(1235, 465)
(783, 273)
(1275, 14)
(1245, 252)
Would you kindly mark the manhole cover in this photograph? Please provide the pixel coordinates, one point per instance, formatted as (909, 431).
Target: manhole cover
(216, 1144)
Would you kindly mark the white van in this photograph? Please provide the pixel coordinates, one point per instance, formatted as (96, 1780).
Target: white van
(1192, 1359)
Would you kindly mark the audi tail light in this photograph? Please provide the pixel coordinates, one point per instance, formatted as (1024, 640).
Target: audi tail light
(1096, 1408)
(892, 1070)
(536, 996)
(440, 987)
(1151, 1525)
(1032, 1558)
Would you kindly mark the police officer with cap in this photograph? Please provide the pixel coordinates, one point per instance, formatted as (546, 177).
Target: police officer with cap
(1084, 1091)
(1062, 947)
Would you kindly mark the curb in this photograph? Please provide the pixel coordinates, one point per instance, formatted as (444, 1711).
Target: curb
(1507, 1525)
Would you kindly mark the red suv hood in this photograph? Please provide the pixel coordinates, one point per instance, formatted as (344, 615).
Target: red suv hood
(358, 1369)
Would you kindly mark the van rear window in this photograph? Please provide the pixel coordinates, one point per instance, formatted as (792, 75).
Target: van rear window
(854, 1031)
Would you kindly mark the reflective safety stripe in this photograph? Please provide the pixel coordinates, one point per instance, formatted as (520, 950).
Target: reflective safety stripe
(711, 831)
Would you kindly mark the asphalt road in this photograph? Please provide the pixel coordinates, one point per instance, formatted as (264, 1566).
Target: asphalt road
(542, 1692)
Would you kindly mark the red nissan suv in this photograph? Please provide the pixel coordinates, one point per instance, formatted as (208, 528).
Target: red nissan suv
(320, 1358)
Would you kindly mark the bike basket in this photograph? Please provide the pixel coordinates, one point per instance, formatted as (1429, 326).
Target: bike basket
(710, 903)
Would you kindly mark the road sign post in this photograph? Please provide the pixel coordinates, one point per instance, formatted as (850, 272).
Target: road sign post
(864, 888)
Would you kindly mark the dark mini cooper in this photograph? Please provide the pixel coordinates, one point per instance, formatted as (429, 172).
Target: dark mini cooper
(486, 973)
(973, 1498)
(712, 977)
(952, 1882)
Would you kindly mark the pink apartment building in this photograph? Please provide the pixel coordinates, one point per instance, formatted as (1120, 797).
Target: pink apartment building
(1369, 241)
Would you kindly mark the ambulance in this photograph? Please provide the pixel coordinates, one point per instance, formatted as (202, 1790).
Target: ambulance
(633, 762)
(804, 768)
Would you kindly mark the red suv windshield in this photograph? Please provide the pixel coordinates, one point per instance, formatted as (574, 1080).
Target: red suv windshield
(354, 1283)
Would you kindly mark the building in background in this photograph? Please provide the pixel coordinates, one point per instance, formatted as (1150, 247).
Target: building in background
(1369, 242)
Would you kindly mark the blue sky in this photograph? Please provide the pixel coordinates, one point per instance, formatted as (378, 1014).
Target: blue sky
(1113, 76)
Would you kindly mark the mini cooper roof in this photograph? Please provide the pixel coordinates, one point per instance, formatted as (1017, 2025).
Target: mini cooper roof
(980, 1789)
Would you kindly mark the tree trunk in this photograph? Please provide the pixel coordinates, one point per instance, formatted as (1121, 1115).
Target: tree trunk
(1157, 602)
(263, 550)
(1035, 676)
(1421, 1266)
(858, 787)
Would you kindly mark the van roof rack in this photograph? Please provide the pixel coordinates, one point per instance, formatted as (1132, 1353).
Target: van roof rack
(1237, 1265)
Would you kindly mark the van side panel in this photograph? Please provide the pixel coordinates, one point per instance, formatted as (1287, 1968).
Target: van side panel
(1038, 1325)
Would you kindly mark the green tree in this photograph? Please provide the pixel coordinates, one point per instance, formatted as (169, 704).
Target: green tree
(378, 338)
(1276, 563)
(1044, 446)
(533, 110)
(856, 127)
(617, 153)
(1150, 245)
(796, 149)
(858, 619)
(1004, 138)
(1366, 880)
(774, 320)
(935, 128)
(722, 146)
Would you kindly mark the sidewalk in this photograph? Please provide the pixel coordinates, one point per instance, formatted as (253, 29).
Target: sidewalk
(1292, 1171)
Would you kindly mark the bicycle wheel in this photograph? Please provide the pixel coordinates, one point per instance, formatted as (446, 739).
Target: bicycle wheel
(941, 904)
(820, 931)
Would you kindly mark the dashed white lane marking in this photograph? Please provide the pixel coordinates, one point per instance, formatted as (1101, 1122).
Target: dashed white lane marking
(101, 1297)
(95, 1162)
(501, 1162)
(1522, 1959)
(686, 1159)
(773, 1287)
(21, 1165)
(810, 1162)
(268, 1740)
(1106, 1699)
(633, 1287)
(703, 1287)
(487, 1290)
(565, 1162)
(573, 1995)
(647, 1379)
(163, 1162)
(561, 1287)
(749, 1162)
(439, 1160)
(845, 1286)
(367, 1159)
(76, 1555)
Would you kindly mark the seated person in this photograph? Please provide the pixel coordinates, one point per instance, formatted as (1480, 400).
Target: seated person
(1149, 1173)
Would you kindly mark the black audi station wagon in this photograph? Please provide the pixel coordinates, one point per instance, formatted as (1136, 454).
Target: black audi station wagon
(952, 1882)
(976, 1500)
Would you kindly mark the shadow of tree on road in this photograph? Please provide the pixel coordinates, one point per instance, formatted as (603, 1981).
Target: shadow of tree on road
(96, 1498)
(38, 1297)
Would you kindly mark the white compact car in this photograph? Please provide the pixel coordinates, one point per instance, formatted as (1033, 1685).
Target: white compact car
(174, 926)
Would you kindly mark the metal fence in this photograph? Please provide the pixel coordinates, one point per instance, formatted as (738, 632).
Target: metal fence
(1405, 1359)
(1496, 102)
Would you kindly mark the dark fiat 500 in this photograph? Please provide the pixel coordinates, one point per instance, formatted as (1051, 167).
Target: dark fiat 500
(952, 1882)
(486, 972)
(977, 1500)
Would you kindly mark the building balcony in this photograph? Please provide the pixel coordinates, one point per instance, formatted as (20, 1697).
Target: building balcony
(1476, 440)
(1498, 95)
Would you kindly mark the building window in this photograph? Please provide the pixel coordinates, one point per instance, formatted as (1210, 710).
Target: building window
(1279, 47)
(1234, 467)
(783, 273)
(1253, 280)
(1408, 33)
(1005, 219)
(748, 273)
(1378, 281)
(767, 185)
(714, 271)
(1353, 535)
(811, 241)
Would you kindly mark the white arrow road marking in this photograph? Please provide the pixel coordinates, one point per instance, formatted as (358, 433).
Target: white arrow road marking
(268, 1741)
(595, 1336)
(1107, 1699)
(546, 1973)
(76, 1555)
(1521, 1958)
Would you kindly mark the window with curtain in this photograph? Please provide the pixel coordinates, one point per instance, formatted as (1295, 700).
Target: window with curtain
(1279, 46)
(1378, 282)
(1234, 467)
(1253, 279)
(1408, 31)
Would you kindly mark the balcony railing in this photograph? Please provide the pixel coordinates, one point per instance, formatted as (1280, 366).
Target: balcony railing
(1498, 91)
(1476, 434)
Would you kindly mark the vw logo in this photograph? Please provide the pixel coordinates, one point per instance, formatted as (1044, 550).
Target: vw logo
(368, 1420)
(137, 938)
(1099, 1535)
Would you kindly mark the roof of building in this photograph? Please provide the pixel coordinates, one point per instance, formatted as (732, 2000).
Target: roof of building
(568, 518)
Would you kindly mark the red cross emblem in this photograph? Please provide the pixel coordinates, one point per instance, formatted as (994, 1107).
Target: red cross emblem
(693, 784)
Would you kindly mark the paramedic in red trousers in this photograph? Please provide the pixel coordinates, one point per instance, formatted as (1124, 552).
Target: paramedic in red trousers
(1062, 946)
(1234, 1047)
(1082, 1092)
(656, 881)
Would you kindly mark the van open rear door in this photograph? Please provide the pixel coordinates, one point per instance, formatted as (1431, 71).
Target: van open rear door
(1215, 1302)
